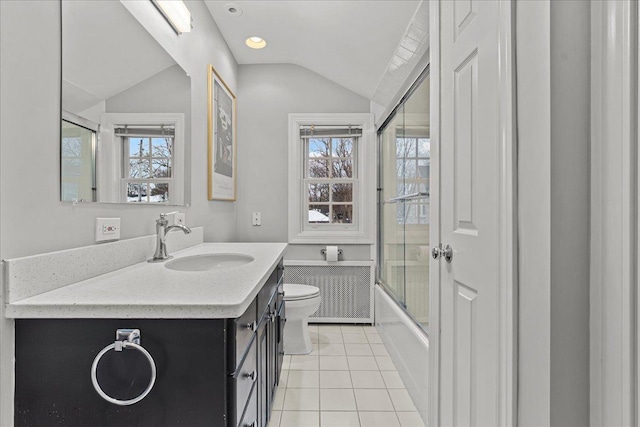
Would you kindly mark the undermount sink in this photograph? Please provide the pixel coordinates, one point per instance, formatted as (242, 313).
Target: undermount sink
(206, 262)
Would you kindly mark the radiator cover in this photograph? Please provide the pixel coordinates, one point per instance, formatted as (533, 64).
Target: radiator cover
(346, 288)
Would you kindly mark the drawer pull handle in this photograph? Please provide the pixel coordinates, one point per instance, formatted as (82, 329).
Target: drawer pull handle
(253, 424)
(253, 326)
(252, 376)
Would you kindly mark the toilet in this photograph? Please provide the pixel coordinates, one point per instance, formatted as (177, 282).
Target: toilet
(301, 301)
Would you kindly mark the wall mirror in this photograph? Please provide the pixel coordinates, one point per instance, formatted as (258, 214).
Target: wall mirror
(125, 111)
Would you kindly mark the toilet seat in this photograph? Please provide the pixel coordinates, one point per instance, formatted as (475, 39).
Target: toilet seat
(296, 292)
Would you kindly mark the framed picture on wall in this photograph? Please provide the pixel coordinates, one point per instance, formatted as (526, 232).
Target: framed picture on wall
(222, 139)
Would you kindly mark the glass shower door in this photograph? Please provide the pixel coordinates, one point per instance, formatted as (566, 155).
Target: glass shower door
(391, 224)
(405, 156)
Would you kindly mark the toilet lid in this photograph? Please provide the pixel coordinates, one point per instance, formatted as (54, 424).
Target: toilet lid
(294, 291)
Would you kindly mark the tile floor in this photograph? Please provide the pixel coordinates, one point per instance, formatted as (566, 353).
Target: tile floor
(348, 380)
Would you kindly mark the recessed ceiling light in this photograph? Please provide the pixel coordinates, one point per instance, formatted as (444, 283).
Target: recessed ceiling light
(233, 9)
(255, 42)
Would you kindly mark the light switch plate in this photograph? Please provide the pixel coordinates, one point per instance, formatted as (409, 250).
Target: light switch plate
(176, 218)
(257, 219)
(179, 218)
(107, 229)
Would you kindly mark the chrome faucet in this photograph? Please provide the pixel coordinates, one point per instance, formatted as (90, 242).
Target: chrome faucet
(161, 236)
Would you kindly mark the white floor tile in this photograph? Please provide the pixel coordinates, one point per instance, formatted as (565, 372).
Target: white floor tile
(278, 399)
(352, 329)
(301, 399)
(374, 339)
(367, 379)
(335, 379)
(385, 363)
(286, 360)
(309, 363)
(333, 329)
(378, 419)
(339, 419)
(373, 400)
(304, 379)
(330, 337)
(358, 349)
(379, 350)
(392, 379)
(410, 419)
(300, 419)
(362, 363)
(354, 338)
(401, 400)
(275, 419)
(284, 376)
(348, 380)
(337, 400)
(334, 363)
(331, 349)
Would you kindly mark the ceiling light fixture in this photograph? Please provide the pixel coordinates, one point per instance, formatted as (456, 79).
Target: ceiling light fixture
(255, 42)
(176, 14)
(233, 9)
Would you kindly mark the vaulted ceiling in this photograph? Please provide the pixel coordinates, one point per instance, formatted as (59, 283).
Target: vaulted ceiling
(348, 42)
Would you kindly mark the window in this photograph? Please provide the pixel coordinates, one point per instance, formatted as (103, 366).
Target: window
(332, 178)
(413, 160)
(141, 158)
(148, 163)
(77, 152)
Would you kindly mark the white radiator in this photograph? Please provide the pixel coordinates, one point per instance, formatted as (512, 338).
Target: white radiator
(346, 288)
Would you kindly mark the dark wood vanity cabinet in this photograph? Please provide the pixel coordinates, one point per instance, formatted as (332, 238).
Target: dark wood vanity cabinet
(267, 344)
(210, 372)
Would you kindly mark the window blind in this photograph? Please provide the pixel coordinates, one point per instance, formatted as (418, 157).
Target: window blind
(161, 131)
(314, 131)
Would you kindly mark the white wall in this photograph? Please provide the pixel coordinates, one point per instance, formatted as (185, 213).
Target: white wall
(32, 219)
(267, 94)
(193, 52)
(553, 230)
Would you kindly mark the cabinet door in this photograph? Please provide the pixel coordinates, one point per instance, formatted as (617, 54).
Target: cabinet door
(263, 402)
(280, 322)
(272, 351)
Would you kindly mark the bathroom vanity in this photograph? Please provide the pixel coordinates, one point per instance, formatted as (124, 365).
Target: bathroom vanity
(214, 336)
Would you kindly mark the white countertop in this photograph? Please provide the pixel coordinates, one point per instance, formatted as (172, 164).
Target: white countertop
(149, 290)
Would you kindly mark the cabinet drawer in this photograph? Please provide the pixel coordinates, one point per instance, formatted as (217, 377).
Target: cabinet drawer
(280, 270)
(240, 331)
(264, 297)
(241, 383)
(250, 417)
(280, 294)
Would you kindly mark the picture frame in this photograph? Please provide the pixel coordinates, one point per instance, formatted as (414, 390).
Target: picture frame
(221, 138)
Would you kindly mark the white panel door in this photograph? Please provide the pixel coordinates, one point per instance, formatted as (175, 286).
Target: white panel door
(469, 149)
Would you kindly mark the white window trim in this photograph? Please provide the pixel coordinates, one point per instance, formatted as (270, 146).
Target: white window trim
(110, 153)
(363, 232)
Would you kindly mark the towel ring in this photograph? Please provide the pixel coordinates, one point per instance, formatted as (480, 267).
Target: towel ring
(118, 346)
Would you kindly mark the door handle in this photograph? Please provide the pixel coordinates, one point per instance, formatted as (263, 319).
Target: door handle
(446, 253)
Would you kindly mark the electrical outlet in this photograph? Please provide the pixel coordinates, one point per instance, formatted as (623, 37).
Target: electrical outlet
(107, 229)
(257, 219)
